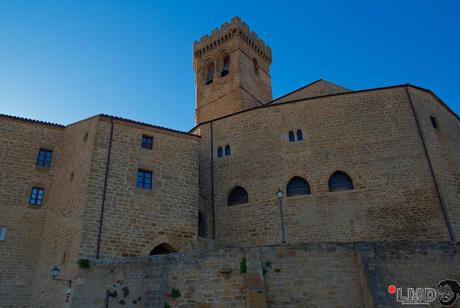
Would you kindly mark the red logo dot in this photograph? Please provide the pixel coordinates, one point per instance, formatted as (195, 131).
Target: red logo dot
(391, 289)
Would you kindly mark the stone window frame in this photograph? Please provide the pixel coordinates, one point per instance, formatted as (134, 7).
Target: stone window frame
(224, 55)
(299, 135)
(220, 152)
(207, 79)
(297, 177)
(44, 157)
(142, 184)
(291, 136)
(147, 142)
(341, 189)
(228, 150)
(3, 233)
(255, 66)
(38, 200)
(234, 202)
(434, 122)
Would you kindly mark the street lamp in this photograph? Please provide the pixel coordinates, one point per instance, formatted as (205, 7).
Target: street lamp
(279, 195)
(55, 271)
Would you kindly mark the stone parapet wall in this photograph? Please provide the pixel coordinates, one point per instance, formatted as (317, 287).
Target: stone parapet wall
(309, 275)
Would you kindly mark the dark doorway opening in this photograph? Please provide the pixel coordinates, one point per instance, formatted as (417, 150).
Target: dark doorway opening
(163, 248)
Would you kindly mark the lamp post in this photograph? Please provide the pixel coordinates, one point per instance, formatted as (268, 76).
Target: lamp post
(55, 271)
(279, 195)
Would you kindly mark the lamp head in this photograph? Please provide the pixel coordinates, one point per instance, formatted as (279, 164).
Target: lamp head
(279, 194)
(55, 272)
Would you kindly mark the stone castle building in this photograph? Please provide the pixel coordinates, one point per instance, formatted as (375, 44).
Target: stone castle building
(370, 182)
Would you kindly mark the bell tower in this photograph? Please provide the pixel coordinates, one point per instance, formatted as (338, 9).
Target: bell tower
(232, 71)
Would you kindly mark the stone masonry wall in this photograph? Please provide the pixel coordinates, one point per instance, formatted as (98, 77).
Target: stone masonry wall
(317, 88)
(443, 145)
(201, 279)
(314, 275)
(372, 136)
(19, 146)
(61, 238)
(136, 220)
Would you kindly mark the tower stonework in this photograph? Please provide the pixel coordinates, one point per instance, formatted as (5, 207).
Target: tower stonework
(232, 71)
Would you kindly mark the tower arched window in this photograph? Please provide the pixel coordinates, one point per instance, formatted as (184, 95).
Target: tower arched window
(225, 65)
(220, 152)
(299, 135)
(228, 151)
(291, 136)
(255, 64)
(210, 73)
(298, 186)
(339, 180)
(238, 195)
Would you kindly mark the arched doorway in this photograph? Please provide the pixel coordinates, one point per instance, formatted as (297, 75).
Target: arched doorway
(162, 248)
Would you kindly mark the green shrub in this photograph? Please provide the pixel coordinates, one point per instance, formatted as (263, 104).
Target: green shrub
(243, 265)
(84, 263)
(175, 293)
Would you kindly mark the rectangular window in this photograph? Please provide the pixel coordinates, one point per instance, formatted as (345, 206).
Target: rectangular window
(147, 142)
(434, 122)
(44, 158)
(144, 179)
(2, 234)
(36, 196)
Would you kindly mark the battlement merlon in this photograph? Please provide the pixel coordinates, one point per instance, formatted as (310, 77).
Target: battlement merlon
(228, 30)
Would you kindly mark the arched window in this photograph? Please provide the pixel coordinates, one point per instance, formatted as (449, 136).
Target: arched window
(291, 136)
(255, 64)
(161, 249)
(220, 152)
(340, 181)
(210, 73)
(238, 195)
(298, 186)
(227, 150)
(225, 65)
(299, 135)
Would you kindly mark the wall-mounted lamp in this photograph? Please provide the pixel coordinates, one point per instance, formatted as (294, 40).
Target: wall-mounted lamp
(55, 271)
(279, 195)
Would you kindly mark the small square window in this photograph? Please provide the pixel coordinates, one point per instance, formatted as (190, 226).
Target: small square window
(144, 179)
(44, 158)
(434, 122)
(36, 196)
(147, 142)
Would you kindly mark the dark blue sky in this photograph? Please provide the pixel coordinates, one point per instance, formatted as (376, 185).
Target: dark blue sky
(62, 61)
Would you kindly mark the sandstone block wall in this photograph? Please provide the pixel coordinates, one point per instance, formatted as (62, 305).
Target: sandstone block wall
(314, 275)
(370, 135)
(317, 88)
(203, 280)
(19, 146)
(136, 220)
(65, 228)
(443, 145)
(60, 241)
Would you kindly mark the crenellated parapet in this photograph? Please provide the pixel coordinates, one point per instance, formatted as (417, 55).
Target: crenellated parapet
(229, 30)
